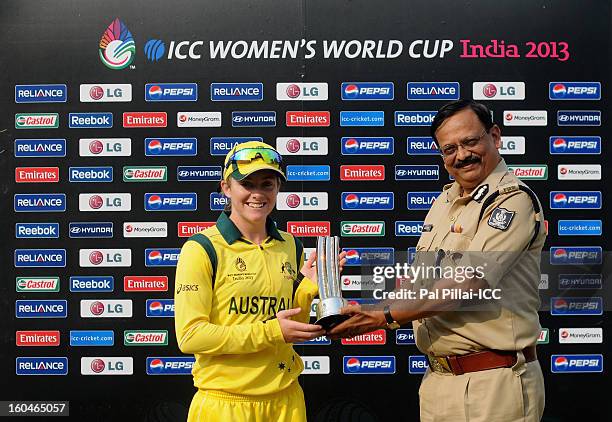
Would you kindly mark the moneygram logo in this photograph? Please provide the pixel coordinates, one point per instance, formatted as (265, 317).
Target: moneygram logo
(579, 172)
(580, 335)
(525, 118)
(198, 119)
(117, 48)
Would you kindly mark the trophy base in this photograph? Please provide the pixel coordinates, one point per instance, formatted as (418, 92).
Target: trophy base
(328, 312)
(330, 321)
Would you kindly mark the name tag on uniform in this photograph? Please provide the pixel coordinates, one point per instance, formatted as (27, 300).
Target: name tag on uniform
(501, 218)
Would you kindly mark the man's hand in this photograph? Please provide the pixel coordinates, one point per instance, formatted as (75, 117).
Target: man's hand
(294, 331)
(360, 322)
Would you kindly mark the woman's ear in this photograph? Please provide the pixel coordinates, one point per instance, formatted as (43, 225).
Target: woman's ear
(226, 188)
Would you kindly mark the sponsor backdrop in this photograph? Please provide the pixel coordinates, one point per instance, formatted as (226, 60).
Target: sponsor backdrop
(116, 120)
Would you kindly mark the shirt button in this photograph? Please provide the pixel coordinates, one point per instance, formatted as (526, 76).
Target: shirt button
(452, 218)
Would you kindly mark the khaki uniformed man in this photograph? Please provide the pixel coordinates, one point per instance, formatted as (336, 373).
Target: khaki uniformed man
(483, 363)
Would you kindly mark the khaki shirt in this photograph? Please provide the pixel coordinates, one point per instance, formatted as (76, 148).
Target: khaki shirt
(502, 234)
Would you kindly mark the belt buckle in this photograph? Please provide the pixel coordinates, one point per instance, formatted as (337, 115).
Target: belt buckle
(439, 364)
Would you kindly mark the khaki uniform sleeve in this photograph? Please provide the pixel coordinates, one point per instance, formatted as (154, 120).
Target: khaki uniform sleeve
(500, 248)
(306, 291)
(192, 304)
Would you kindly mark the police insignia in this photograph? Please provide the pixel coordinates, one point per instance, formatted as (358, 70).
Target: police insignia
(480, 193)
(501, 218)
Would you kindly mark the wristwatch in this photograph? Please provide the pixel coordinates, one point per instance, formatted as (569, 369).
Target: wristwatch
(391, 323)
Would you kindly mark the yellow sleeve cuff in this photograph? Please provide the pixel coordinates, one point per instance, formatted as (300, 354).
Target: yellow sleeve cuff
(309, 286)
(273, 331)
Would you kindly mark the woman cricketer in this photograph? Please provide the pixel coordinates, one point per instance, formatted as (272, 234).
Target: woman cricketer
(240, 300)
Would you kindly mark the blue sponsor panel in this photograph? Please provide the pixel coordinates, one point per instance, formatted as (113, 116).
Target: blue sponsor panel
(41, 309)
(575, 255)
(52, 93)
(421, 145)
(98, 283)
(199, 173)
(160, 308)
(362, 301)
(367, 200)
(171, 92)
(90, 174)
(37, 230)
(367, 145)
(575, 200)
(96, 338)
(39, 202)
(236, 91)
(161, 147)
(187, 201)
(166, 365)
(580, 281)
(217, 201)
(33, 148)
(310, 173)
(362, 118)
(576, 306)
(560, 364)
(359, 91)
(411, 254)
(578, 118)
(161, 257)
(41, 366)
(223, 145)
(408, 228)
(414, 118)
(421, 200)
(253, 118)
(575, 145)
(417, 364)
(319, 341)
(369, 256)
(93, 230)
(579, 227)
(404, 336)
(90, 120)
(368, 365)
(43, 258)
(432, 90)
(574, 90)
(417, 172)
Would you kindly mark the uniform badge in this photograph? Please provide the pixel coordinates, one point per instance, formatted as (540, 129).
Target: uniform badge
(480, 193)
(501, 218)
(427, 227)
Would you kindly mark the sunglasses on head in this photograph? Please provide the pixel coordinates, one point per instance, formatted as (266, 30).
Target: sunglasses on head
(245, 156)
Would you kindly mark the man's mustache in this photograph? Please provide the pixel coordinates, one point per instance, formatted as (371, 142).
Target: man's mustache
(472, 159)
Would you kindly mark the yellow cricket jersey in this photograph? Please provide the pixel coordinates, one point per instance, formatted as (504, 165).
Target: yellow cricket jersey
(224, 313)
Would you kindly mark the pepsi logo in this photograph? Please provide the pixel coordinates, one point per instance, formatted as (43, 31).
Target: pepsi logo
(96, 257)
(560, 198)
(489, 90)
(156, 307)
(97, 308)
(352, 255)
(154, 201)
(561, 362)
(353, 365)
(96, 92)
(155, 92)
(96, 202)
(351, 145)
(155, 256)
(351, 201)
(154, 146)
(293, 91)
(96, 147)
(351, 91)
(293, 146)
(560, 144)
(560, 305)
(509, 116)
(156, 365)
(559, 90)
(293, 200)
(560, 254)
(97, 365)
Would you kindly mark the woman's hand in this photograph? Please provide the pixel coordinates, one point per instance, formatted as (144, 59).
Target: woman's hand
(297, 332)
(309, 270)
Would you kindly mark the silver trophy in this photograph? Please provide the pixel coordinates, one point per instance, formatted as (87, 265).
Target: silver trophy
(328, 279)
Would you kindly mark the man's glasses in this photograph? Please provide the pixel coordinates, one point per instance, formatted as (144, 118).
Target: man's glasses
(468, 144)
(245, 156)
